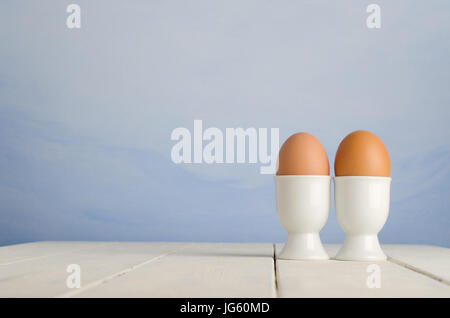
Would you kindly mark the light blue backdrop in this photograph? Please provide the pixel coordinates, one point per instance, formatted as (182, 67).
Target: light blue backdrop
(86, 115)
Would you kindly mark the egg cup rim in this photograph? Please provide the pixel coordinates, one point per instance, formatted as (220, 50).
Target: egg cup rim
(363, 177)
(303, 175)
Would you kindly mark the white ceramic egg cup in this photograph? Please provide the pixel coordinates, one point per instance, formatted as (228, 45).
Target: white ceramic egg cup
(362, 208)
(303, 204)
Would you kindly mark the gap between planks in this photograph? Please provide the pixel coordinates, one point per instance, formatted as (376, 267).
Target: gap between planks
(418, 271)
(115, 275)
(275, 272)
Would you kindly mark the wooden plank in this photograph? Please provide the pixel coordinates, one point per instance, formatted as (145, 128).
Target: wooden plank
(46, 277)
(432, 261)
(200, 270)
(349, 279)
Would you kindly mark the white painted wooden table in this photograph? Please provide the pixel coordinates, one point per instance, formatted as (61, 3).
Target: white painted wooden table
(111, 269)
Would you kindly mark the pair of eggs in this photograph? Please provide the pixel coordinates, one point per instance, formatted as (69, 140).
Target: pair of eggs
(360, 153)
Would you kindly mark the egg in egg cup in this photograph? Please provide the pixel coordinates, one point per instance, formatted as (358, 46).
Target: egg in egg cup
(302, 187)
(362, 195)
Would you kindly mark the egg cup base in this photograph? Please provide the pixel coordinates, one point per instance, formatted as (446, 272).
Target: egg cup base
(361, 248)
(303, 246)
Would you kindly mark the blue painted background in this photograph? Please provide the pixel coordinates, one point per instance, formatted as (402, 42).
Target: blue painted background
(86, 115)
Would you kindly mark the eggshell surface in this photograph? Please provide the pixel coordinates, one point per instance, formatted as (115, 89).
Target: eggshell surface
(362, 153)
(302, 154)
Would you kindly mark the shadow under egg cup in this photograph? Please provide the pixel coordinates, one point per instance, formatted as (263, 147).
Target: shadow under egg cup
(303, 204)
(362, 208)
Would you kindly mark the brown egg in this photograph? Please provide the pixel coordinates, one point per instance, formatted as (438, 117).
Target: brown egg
(302, 154)
(362, 153)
